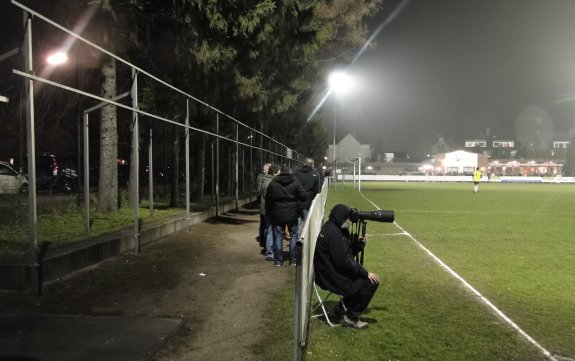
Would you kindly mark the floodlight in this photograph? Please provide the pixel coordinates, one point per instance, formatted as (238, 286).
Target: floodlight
(340, 82)
(57, 58)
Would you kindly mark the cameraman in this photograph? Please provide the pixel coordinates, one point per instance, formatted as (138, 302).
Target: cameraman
(337, 271)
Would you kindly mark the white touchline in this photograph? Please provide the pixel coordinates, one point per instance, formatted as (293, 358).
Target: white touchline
(473, 290)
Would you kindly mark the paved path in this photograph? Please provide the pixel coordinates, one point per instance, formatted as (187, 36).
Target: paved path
(209, 288)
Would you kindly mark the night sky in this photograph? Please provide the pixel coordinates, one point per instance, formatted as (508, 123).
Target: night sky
(457, 67)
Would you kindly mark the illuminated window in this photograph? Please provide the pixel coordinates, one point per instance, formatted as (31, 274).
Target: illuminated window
(475, 143)
(503, 144)
(561, 144)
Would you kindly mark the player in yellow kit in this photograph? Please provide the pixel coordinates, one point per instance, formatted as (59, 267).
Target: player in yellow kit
(476, 179)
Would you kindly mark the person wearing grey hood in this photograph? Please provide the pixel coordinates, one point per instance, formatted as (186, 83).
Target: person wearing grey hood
(337, 271)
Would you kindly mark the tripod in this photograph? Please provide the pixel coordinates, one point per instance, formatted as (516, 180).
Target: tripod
(359, 246)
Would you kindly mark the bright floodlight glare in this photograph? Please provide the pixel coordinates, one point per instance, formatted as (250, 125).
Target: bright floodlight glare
(57, 58)
(340, 82)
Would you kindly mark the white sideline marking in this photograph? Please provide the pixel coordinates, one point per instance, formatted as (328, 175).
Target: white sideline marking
(563, 358)
(486, 301)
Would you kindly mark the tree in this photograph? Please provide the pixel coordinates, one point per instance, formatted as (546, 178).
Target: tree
(534, 129)
(312, 140)
(257, 60)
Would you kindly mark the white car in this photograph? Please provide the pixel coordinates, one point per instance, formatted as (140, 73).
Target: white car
(11, 181)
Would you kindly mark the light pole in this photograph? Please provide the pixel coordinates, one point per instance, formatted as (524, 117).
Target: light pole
(59, 58)
(339, 83)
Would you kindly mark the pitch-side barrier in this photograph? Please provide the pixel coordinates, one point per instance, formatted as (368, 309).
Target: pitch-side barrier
(455, 178)
(304, 268)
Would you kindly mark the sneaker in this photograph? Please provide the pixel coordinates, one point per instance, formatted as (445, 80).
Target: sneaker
(357, 324)
(269, 257)
(277, 264)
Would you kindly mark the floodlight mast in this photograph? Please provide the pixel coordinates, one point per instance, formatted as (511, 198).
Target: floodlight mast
(339, 83)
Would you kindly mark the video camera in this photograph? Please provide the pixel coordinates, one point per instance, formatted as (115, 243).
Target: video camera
(377, 216)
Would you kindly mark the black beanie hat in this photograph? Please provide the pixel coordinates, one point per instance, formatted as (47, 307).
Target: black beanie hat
(339, 213)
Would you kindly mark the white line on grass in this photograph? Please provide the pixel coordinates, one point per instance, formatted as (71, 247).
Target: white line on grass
(488, 303)
(563, 358)
(479, 212)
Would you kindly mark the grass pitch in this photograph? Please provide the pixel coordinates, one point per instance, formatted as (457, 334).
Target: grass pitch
(514, 243)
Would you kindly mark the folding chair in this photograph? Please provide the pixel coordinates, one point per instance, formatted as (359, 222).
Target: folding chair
(321, 305)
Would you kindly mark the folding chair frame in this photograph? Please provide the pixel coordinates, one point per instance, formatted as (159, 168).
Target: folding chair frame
(321, 304)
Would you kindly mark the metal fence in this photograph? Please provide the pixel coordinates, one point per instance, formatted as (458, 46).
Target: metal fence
(304, 269)
(233, 152)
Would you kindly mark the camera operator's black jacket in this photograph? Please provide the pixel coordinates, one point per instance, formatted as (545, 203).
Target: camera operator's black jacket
(335, 267)
(284, 199)
(310, 181)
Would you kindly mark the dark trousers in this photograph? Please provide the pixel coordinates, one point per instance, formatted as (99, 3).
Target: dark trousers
(263, 228)
(358, 302)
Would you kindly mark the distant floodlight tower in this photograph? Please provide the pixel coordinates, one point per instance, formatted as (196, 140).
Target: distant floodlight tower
(339, 83)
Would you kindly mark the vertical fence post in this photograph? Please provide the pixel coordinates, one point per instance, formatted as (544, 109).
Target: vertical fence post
(136, 150)
(251, 165)
(298, 312)
(237, 166)
(187, 135)
(86, 173)
(31, 148)
(262, 160)
(230, 172)
(151, 172)
(243, 167)
(217, 164)
(213, 185)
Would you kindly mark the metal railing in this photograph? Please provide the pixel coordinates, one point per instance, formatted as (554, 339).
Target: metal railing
(268, 148)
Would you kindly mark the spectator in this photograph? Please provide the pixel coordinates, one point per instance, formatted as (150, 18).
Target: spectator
(337, 271)
(263, 225)
(310, 181)
(273, 171)
(283, 201)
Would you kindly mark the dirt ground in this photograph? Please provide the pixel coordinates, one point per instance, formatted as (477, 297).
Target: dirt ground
(213, 277)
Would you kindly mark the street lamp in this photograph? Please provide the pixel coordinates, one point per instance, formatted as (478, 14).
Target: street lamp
(57, 58)
(339, 83)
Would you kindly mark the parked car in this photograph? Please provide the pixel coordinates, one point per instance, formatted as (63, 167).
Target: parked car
(11, 181)
(57, 172)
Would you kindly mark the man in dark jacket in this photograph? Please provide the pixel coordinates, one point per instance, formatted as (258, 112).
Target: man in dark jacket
(273, 171)
(337, 271)
(310, 181)
(284, 197)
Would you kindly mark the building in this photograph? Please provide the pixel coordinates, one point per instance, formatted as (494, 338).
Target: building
(542, 168)
(458, 162)
(492, 156)
(348, 148)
